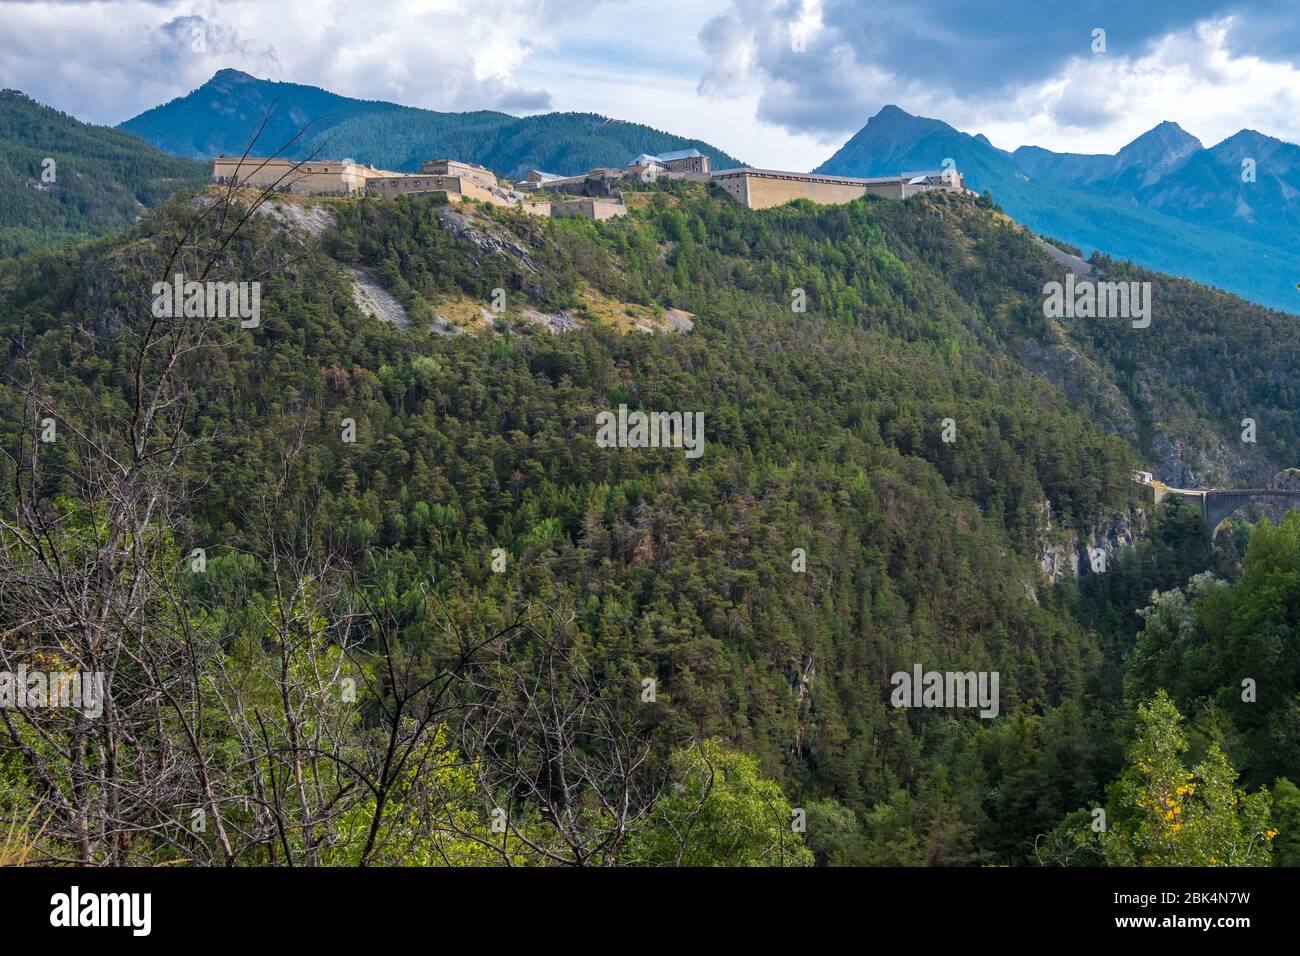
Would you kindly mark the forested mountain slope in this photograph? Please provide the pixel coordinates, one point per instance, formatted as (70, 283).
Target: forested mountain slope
(62, 180)
(225, 114)
(1203, 225)
(824, 435)
(1241, 185)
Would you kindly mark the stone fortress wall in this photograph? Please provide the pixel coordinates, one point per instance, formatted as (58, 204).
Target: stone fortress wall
(479, 175)
(325, 177)
(592, 207)
(764, 188)
(598, 192)
(456, 187)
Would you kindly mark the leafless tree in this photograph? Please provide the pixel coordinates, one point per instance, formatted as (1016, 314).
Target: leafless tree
(568, 762)
(273, 715)
(89, 564)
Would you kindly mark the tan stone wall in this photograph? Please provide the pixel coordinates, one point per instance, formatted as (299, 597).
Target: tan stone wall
(416, 185)
(308, 178)
(688, 177)
(588, 209)
(452, 167)
(456, 188)
(898, 190)
(765, 192)
(411, 185)
(737, 187)
(608, 210)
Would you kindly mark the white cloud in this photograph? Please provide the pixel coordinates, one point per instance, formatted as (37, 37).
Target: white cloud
(647, 70)
(107, 61)
(730, 72)
(1097, 104)
(1078, 102)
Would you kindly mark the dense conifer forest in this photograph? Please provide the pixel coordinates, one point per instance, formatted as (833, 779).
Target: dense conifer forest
(377, 595)
(62, 180)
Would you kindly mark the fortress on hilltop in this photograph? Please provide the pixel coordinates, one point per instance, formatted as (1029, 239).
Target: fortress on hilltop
(596, 194)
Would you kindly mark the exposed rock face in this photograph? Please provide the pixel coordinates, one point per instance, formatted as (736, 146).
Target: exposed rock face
(310, 219)
(1058, 561)
(1171, 463)
(1196, 450)
(1062, 554)
(471, 229)
(376, 301)
(1288, 480)
(1114, 531)
(801, 674)
(1057, 557)
(679, 320)
(1209, 460)
(1080, 267)
(553, 322)
(1182, 453)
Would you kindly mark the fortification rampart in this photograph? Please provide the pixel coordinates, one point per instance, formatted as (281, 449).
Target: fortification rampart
(456, 188)
(297, 177)
(478, 175)
(764, 188)
(590, 208)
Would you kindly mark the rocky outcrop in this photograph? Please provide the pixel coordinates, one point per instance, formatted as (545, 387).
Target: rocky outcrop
(376, 301)
(1067, 553)
(1276, 509)
(553, 322)
(678, 320)
(470, 228)
(309, 218)
(1080, 267)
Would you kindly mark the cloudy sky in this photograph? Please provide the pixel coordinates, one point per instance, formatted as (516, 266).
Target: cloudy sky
(776, 82)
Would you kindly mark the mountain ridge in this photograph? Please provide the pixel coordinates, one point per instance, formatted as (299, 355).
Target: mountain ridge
(62, 180)
(223, 114)
(1163, 201)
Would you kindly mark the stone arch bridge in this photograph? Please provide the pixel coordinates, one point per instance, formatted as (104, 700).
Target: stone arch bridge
(1216, 504)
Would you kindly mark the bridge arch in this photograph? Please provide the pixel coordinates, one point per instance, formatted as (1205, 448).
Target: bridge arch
(1216, 505)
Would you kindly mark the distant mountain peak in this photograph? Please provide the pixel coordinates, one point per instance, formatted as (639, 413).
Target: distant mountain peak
(894, 141)
(1163, 201)
(1251, 138)
(893, 118)
(1278, 157)
(233, 108)
(228, 78)
(1160, 147)
(1166, 133)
